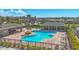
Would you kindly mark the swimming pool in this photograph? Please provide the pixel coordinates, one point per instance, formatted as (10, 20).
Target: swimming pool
(39, 36)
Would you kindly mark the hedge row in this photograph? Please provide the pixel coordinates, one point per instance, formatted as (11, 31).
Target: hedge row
(22, 47)
(74, 40)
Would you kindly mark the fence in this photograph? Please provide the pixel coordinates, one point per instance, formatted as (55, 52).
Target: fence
(23, 42)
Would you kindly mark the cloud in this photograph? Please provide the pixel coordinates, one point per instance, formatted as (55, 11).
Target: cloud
(21, 11)
(11, 10)
(14, 12)
(8, 14)
(1, 11)
(18, 12)
(4, 13)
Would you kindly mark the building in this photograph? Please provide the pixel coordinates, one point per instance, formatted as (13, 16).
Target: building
(60, 26)
(7, 29)
(32, 20)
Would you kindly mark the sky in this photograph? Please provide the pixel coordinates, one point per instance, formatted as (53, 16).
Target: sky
(41, 12)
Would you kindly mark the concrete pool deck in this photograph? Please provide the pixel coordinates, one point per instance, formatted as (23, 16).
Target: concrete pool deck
(17, 36)
(55, 40)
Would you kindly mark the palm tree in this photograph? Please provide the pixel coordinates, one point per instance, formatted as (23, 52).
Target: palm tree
(28, 16)
(7, 19)
(0, 20)
(27, 24)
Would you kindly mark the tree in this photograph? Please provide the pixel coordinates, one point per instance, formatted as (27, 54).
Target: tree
(27, 24)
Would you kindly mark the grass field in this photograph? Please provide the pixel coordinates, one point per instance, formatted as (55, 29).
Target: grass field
(72, 25)
(36, 26)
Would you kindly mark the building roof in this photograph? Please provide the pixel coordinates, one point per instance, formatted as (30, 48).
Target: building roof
(54, 24)
(10, 26)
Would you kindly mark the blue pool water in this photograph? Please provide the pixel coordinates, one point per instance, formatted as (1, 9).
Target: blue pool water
(39, 36)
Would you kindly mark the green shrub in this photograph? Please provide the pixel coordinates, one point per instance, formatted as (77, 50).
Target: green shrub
(13, 45)
(21, 47)
(35, 48)
(74, 40)
(43, 48)
(5, 44)
(17, 45)
(1, 43)
(29, 47)
(8, 44)
(49, 49)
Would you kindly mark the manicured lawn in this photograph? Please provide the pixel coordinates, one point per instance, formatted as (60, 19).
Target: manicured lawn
(72, 25)
(36, 26)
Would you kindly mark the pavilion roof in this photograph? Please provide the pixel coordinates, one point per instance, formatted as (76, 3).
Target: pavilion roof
(10, 26)
(54, 24)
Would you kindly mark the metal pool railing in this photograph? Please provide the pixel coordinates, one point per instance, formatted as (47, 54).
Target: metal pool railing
(23, 42)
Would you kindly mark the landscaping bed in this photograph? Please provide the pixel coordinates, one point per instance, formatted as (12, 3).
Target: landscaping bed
(22, 47)
(74, 40)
